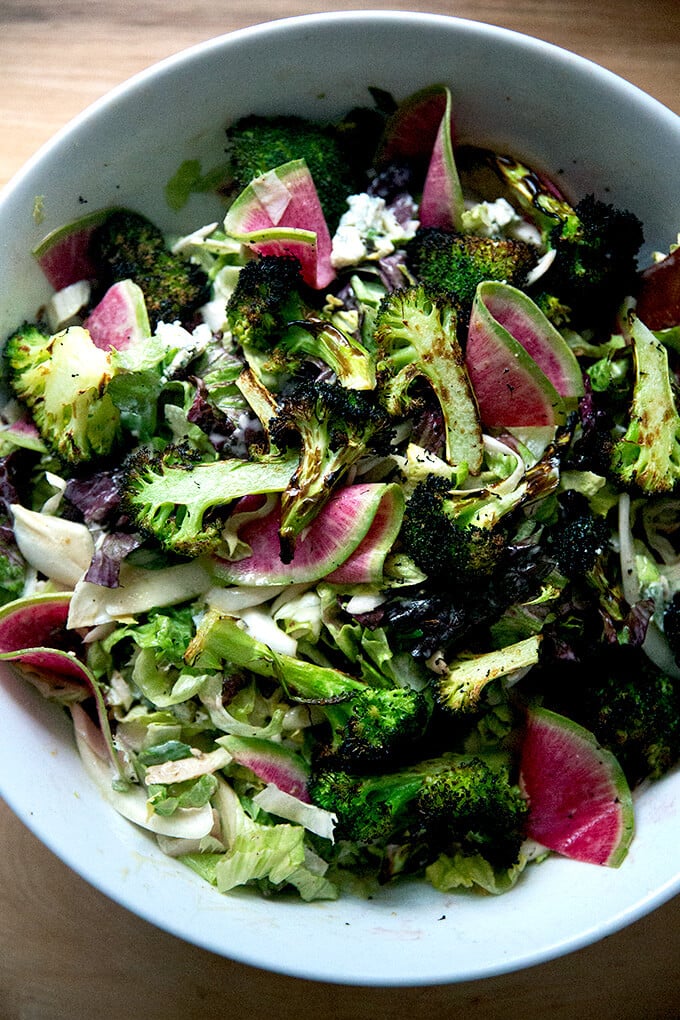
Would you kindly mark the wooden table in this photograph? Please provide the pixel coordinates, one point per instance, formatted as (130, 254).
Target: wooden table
(65, 950)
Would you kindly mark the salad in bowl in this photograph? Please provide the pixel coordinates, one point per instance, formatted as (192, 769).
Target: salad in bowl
(344, 528)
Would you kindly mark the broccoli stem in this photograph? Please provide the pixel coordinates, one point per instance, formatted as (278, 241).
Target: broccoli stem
(460, 688)
(648, 455)
(352, 363)
(221, 639)
(416, 337)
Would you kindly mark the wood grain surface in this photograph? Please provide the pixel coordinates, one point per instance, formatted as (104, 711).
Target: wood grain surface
(66, 951)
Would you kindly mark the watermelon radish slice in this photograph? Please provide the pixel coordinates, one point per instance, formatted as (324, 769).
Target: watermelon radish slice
(521, 369)
(120, 319)
(441, 203)
(524, 320)
(33, 636)
(365, 565)
(272, 763)
(410, 133)
(279, 213)
(63, 254)
(328, 543)
(658, 302)
(29, 628)
(580, 804)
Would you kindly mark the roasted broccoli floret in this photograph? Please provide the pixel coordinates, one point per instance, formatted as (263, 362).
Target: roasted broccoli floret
(415, 337)
(62, 379)
(440, 534)
(459, 688)
(584, 564)
(364, 724)
(350, 361)
(456, 263)
(441, 805)
(266, 298)
(127, 246)
(646, 458)
(595, 248)
(631, 706)
(460, 537)
(595, 265)
(368, 725)
(578, 538)
(257, 144)
(270, 311)
(375, 724)
(638, 719)
(181, 501)
(333, 427)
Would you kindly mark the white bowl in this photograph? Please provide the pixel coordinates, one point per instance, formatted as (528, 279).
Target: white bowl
(560, 112)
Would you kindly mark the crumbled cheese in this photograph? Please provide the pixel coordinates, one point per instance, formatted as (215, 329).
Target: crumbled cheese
(368, 230)
(490, 219)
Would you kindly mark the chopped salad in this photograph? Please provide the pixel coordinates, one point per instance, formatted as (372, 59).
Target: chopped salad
(346, 528)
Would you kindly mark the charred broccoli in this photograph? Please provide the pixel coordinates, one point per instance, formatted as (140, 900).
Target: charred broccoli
(364, 725)
(62, 379)
(578, 538)
(266, 298)
(456, 264)
(444, 541)
(374, 725)
(437, 806)
(415, 337)
(180, 501)
(631, 706)
(269, 311)
(257, 144)
(459, 688)
(595, 247)
(333, 428)
(128, 246)
(638, 718)
(647, 457)
(461, 536)
(595, 265)
(350, 361)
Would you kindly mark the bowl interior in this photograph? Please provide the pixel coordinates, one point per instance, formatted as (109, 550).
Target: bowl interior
(579, 123)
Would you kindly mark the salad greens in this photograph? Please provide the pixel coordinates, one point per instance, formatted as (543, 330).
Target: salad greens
(345, 527)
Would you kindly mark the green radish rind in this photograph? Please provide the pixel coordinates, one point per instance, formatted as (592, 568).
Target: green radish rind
(521, 369)
(279, 213)
(441, 203)
(580, 803)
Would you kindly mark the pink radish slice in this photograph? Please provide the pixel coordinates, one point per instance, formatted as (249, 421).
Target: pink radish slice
(580, 804)
(279, 213)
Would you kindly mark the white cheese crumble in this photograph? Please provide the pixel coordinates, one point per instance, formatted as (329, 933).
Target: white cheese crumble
(368, 230)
